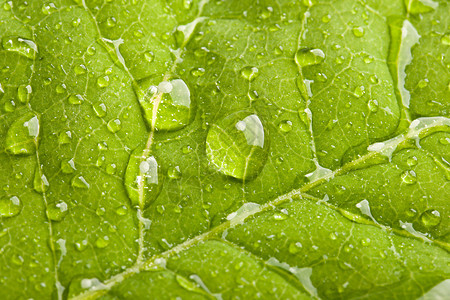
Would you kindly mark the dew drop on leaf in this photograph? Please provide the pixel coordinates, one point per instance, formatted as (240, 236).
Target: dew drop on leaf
(79, 182)
(65, 137)
(445, 40)
(10, 206)
(238, 145)
(309, 57)
(24, 93)
(430, 218)
(143, 178)
(172, 99)
(40, 182)
(102, 242)
(81, 245)
(103, 81)
(114, 125)
(99, 109)
(285, 126)
(358, 31)
(250, 73)
(22, 135)
(121, 210)
(57, 211)
(174, 172)
(80, 69)
(373, 105)
(409, 177)
(75, 99)
(19, 45)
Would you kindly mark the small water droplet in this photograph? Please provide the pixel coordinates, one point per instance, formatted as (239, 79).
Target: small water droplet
(250, 73)
(102, 242)
(411, 161)
(91, 50)
(359, 91)
(187, 149)
(10, 206)
(76, 99)
(40, 182)
(295, 247)
(309, 57)
(326, 18)
(122, 210)
(368, 59)
(143, 178)
(49, 8)
(22, 46)
(374, 79)
(358, 31)
(65, 137)
(373, 105)
(68, 166)
(174, 172)
(114, 125)
(238, 145)
(175, 109)
(57, 211)
(445, 40)
(111, 169)
(99, 109)
(111, 22)
(22, 135)
(81, 245)
(409, 177)
(197, 72)
(24, 93)
(430, 218)
(61, 88)
(444, 141)
(149, 56)
(285, 126)
(103, 81)
(79, 182)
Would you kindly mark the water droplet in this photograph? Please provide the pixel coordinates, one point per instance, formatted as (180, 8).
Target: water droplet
(17, 260)
(143, 178)
(40, 182)
(374, 79)
(285, 126)
(430, 218)
(61, 88)
(173, 101)
(103, 81)
(22, 135)
(187, 149)
(49, 8)
(326, 18)
(65, 137)
(368, 59)
(68, 166)
(111, 169)
(10, 207)
(444, 141)
(111, 22)
(295, 247)
(102, 242)
(373, 105)
(279, 216)
(22, 46)
(76, 22)
(99, 109)
(266, 13)
(358, 31)
(24, 93)
(197, 72)
(409, 177)
(185, 283)
(238, 145)
(80, 182)
(122, 210)
(309, 57)
(250, 73)
(114, 125)
(174, 172)
(57, 211)
(445, 40)
(76, 99)
(359, 91)
(80, 69)
(81, 246)
(411, 161)
(149, 56)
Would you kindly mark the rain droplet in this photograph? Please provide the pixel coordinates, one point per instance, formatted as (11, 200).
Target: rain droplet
(10, 207)
(411, 161)
(103, 81)
(250, 73)
(122, 210)
(65, 137)
(22, 46)
(285, 126)
(99, 109)
(80, 182)
(198, 72)
(409, 177)
(358, 31)
(49, 8)
(309, 57)
(430, 218)
(80, 69)
(22, 135)
(373, 105)
(143, 178)
(76, 99)
(81, 246)
(102, 242)
(114, 125)
(24, 93)
(295, 247)
(68, 166)
(40, 182)
(172, 99)
(57, 211)
(174, 172)
(359, 91)
(238, 145)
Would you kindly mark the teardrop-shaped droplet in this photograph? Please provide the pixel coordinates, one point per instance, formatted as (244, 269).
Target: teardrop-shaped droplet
(40, 182)
(171, 100)
(309, 57)
(10, 206)
(22, 46)
(238, 145)
(143, 178)
(22, 136)
(57, 211)
(80, 182)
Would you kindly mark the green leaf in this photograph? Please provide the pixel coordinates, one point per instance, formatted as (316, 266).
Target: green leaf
(224, 149)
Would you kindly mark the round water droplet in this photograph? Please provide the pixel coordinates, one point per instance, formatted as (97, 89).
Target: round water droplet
(61, 88)
(99, 109)
(359, 91)
(285, 126)
(57, 211)
(430, 218)
(40, 182)
(238, 145)
(22, 46)
(149, 56)
(103, 81)
(197, 72)
(172, 99)
(122, 210)
(295, 247)
(444, 141)
(358, 31)
(22, 135)
(76, 99)
(10, 206)
(102, 242)
(411, 161)
(81, 245)
(114, 125)
(279, 216)
(49, 8)
(111, 22)
(250, 73)
(326, 18)
(79, 69)
(309, 57)
(111, 169)
(143, 178)
(373, 105)
(174, 172)
(409, 177)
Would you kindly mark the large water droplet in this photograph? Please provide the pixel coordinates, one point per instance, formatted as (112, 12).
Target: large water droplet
(309, 57)
(143, 178)
(57, 211)
(22, 46)
(238, 145)
(10, 207)
(171, 100)
(430, 218)
(22, 135)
